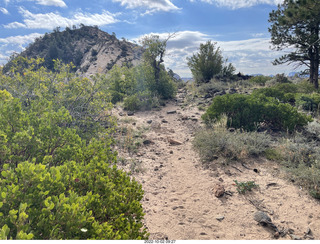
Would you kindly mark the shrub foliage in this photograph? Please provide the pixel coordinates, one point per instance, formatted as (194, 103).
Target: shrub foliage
(58, 175)
(248, 112)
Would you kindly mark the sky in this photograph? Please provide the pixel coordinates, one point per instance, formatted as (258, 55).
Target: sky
(239, 27)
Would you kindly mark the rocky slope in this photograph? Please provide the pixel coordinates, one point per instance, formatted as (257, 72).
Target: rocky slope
(90, 49)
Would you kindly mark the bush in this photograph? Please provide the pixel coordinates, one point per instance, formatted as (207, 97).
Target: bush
(58, 175)
(231, 145)
(301, 158)
(309, 102)
(132, 103)
(212, 87)
(281, 78)
(248, 112)
(260, 80)
(208, 63)
(90, 200)
(243, 187)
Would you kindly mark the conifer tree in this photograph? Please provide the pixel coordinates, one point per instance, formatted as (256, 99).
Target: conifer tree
(296, 24)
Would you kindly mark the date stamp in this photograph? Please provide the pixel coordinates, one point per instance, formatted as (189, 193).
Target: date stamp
(160, 241)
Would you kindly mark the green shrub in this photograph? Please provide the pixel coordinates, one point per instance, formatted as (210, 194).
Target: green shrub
(243, 187)
(281, 78)
(260, 80)
(132, 103)
(88, 200)
(306, 87)
(270, 92)
(249, 111)
(287, 88)
(309, 102)
(231, 145)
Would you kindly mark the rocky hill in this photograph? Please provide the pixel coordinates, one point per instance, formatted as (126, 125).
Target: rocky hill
(90, 49)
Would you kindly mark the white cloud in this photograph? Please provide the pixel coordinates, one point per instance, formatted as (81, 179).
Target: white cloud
(4, 11)
(57, 3)
(249, 56)
(12, 44)
(235, 4)
(150, 5)
(20, 40)
(52, 20)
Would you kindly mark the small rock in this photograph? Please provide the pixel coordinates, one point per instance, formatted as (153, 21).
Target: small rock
(120, 114)
(295, 237)
(308, 231)
(290, 231)
(232, 129)
(215, 157)
(194, 120)
(218, 190)
(147, 142)
(149, 121)
(276, 235)
(172, 112)
(220, 218)
(185, 117)
(164, 121)
(171, 152)
(156, 168)
(130, 113)
(174, 142)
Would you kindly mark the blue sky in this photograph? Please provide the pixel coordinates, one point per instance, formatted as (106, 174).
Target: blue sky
(240, 27)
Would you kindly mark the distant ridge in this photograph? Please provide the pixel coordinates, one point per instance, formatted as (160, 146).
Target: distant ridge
(90, 49)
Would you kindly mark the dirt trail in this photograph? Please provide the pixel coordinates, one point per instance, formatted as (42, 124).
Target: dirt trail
(179, 201)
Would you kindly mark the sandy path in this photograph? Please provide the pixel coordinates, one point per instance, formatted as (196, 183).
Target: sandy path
(179, 201)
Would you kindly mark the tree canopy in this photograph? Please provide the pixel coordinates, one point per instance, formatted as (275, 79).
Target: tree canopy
(209, 62)
(296, 25)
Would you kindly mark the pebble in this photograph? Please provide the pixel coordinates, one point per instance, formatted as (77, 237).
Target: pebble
(220, 218)
(172, 112)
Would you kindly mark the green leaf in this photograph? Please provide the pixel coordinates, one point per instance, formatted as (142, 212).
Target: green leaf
(3, 195)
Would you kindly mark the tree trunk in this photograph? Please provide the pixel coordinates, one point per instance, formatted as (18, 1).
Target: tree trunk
(314, 56)
(316, 68)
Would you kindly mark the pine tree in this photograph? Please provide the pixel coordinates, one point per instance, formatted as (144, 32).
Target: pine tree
(296, 24)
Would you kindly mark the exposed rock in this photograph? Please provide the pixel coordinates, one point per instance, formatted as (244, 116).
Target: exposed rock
(172, 112)
(184, 117)
(90, 49)
(174, 142)
(149, 121)
(147, 142)
(220, 218)
(218, 190)
(295, 237)
(263, 219)
(130, 113)
(232, 91)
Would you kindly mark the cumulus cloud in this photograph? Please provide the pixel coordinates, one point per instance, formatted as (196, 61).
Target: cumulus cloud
(52, 20)
(150, 5)
(16, 43)
(57, 3)
(249, 56)
(4, 11)
(235, 4)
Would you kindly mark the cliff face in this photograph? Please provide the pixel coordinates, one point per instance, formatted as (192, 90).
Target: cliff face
(90, 49)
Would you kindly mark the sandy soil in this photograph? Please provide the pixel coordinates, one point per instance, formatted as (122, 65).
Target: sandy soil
(179, 198)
